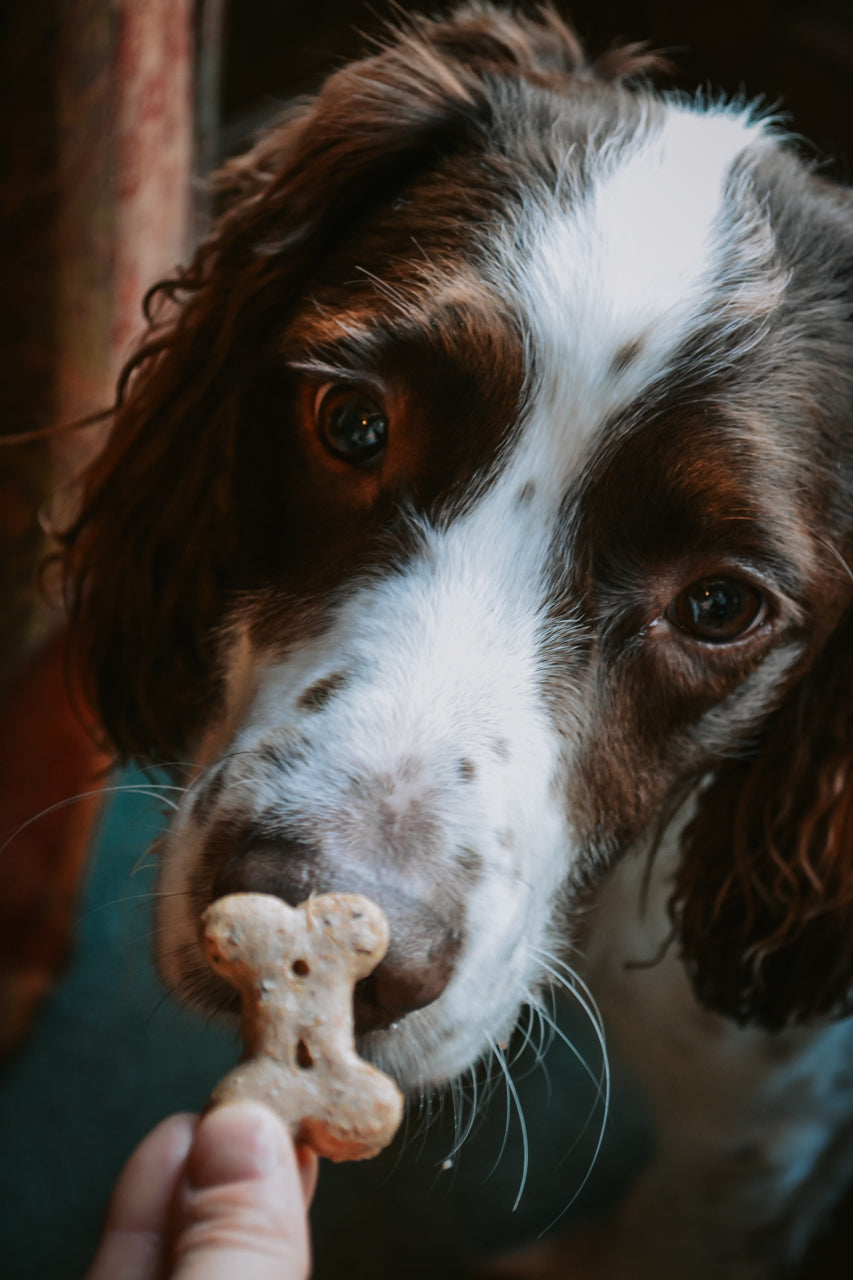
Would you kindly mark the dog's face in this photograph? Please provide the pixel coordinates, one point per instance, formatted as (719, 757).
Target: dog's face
(520, 499)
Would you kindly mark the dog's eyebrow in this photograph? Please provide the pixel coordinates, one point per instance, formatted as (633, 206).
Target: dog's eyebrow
(342, 342)
(335, 342)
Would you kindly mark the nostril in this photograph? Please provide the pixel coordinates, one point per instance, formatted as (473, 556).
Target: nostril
(286, 867)
(410, 977)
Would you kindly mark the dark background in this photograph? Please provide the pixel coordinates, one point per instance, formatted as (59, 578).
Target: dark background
(796, 55)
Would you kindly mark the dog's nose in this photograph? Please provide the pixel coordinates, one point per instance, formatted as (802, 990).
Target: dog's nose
(425, 940)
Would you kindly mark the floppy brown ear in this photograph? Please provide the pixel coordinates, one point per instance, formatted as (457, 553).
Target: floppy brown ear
(764, 891)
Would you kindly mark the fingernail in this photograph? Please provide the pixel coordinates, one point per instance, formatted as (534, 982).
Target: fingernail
(236, 1143)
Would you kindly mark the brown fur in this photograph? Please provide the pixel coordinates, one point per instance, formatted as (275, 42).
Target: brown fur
(764, 894)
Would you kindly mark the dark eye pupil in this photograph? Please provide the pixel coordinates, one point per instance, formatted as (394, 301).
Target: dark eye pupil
(717, 603)
(717, 609)
(352, 426)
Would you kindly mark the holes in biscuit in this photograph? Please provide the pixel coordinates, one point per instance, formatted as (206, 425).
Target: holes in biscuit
(301, 968)
(304, 1057)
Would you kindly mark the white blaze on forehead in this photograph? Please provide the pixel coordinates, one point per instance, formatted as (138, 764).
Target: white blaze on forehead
(615, 278)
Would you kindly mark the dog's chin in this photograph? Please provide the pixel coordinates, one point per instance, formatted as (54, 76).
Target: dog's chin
(423, 1051)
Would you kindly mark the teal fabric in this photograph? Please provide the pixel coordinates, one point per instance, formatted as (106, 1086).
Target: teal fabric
(112, 1054)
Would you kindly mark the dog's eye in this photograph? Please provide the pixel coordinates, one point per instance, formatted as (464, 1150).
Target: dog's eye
(718, 610)
(351, 425)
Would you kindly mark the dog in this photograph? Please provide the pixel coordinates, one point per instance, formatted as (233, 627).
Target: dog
(474, 532)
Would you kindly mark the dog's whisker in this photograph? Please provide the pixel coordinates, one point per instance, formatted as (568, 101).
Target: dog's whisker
(170, 993)
(406, 1137)
(151, 896)
(564, 978)
(497, 1057)
(463, 1133)
(601, 1093)
(548, 1022)
(126, 788)
(166, 765)
(457, 1098)
(425, 1119)
(564, 975)
(474, 1101)
(584, 999)
(546, 1017)
(568, 978)
(524, 1038)
(196, 987)
(558, 1034)
(541, 1048)
(513, 1099)
(147, 860)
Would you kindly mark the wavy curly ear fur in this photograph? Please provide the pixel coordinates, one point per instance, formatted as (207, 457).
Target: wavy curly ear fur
(764, 892)
(165, 535)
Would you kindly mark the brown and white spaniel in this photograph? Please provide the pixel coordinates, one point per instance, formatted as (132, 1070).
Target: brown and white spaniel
(474, 533)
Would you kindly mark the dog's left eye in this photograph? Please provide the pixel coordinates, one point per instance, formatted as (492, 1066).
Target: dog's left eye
(351, 425)
(718, 610)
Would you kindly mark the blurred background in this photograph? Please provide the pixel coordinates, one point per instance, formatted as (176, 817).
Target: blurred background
(111, 114)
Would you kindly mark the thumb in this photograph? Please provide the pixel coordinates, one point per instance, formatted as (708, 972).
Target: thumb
(240, 1209)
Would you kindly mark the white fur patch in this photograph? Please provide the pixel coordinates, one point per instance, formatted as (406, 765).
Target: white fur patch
(628, 265)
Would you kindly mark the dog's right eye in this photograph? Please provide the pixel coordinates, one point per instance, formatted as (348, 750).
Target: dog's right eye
(351, 425)
(718, 610)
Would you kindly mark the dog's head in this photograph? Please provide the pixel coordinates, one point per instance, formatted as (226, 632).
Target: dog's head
(481, 489)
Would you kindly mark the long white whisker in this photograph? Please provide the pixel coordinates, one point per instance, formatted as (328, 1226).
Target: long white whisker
(526, 1038)
(570, 980)
(561, 1035)
(407, 1136)
(456, 1103)
(141, 789)
(512, 1095)
(541, 1048)
(461, 1137)
(563, 974)
(134, 897)
(497, 1056)
(571, 977)
(558, 1033)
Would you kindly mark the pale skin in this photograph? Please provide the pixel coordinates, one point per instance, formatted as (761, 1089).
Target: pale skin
(210, 1199)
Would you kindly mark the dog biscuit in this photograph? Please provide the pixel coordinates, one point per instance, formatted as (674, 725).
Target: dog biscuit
(295, 969)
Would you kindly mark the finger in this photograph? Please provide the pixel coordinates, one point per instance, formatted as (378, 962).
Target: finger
(240, 1209)
(134, 1240)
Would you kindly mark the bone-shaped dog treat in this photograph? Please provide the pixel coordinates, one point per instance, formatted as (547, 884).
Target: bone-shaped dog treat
(295, 969)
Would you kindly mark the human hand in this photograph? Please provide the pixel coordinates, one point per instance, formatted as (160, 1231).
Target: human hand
(211, 1199)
